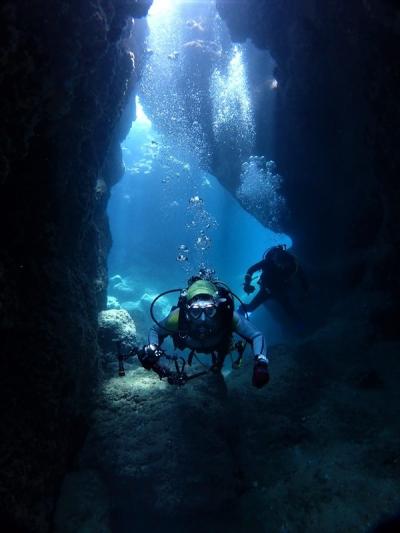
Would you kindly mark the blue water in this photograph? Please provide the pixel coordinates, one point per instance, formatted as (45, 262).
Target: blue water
(164, 204)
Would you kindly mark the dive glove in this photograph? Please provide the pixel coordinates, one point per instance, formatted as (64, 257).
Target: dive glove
(247, 286)
(260, 372)
(248, 289)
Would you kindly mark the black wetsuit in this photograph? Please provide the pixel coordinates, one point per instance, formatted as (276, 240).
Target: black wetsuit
(274, 283)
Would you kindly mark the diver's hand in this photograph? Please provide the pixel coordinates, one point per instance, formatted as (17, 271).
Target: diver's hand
(247, 286)
(260, 371)
(248, 289)
(149, 356)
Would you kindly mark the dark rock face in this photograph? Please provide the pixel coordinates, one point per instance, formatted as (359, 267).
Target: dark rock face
(64, 82)
(337, 124)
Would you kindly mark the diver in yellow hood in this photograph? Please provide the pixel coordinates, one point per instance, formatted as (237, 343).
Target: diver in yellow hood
(204, 321)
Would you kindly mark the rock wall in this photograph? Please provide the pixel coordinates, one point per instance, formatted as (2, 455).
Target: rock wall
(336, 128)
(64, 80)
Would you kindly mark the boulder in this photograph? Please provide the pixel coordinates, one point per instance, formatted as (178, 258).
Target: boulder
(116, 325)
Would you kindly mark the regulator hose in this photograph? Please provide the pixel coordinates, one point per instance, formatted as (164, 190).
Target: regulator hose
(152, 306)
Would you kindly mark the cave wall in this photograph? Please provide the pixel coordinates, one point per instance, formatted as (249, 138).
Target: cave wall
(65, 81)
(336, 129)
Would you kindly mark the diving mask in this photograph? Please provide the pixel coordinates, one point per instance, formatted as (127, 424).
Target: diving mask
(197, 308)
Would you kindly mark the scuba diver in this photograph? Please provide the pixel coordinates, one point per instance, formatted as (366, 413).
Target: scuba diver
(279, 270)
(204, 321)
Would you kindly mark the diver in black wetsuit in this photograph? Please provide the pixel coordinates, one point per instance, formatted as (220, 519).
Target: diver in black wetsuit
(279, 271)
(204, 321)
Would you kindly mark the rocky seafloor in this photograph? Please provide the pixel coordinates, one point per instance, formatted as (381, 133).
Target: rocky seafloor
(316, 450)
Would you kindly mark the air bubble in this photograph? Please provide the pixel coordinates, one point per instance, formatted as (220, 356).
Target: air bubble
(260, 190)
(196, 200)
(203, 242)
